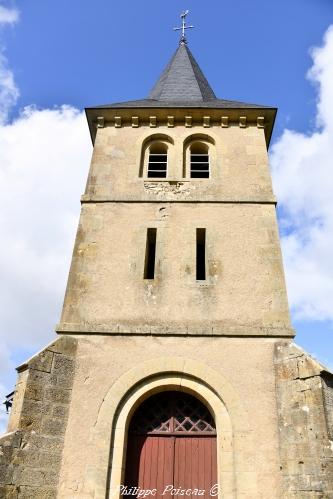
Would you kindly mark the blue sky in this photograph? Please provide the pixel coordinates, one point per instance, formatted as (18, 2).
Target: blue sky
(81, 53)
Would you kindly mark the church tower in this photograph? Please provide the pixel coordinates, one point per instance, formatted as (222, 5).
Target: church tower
(175, 369)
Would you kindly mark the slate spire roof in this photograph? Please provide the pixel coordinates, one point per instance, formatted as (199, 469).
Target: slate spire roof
(182, 85)
(182, 80)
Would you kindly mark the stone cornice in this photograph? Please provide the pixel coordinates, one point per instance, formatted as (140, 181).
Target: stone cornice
(185, 117)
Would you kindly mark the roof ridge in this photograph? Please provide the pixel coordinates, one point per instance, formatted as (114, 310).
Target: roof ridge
(196, 68)
(190, 57)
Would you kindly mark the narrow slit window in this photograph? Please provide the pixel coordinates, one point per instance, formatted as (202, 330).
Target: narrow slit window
(199, 160)
(149, 272)
(201, 254)
(157, 161)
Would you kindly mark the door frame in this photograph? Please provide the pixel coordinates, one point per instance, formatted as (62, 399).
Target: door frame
(173, 416)
(176, 382)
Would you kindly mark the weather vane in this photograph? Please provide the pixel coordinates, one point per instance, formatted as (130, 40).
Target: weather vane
(184, 26)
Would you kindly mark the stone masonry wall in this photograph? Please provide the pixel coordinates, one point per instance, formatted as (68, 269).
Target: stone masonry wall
(304, 393)
(107, 292)
(30, 455)
(328, 402)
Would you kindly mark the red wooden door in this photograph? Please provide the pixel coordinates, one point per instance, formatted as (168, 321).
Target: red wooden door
(171, 448)
(195, 463)
(149, 462)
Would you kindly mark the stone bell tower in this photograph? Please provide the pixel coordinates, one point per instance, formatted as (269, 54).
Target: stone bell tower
(176, 289)
(178, 181)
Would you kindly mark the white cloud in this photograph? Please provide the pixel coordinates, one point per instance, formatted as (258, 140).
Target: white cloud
(8, 16)
(9, 93)
(44, 159)
(302, 174)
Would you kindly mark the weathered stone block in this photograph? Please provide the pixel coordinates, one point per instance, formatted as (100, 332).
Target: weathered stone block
(43, 442)
(26, 457)
(287, 371)
(308, 367)
(61, 380)
(6, 474)
(37, 493)
(42, 361)
(63, 364)
(53, 426)
(39, 377)
(57, 395)
(34, 391)
(50, 460)
(30, 422)
(35, 477)
(5, 454)
(65, 345)
(36, 408)
(60, 411)
(8, 492)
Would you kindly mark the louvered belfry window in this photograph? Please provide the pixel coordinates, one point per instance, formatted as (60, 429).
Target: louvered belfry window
(172, 412)
(199, 160)
(157, 161)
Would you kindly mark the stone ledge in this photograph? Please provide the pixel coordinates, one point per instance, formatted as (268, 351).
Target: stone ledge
(86, 198)
(172, 330)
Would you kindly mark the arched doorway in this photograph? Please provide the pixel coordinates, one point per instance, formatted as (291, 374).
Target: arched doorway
(171, 447)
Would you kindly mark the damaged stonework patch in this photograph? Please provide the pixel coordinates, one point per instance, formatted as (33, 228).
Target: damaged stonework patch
(176, 189)
(30, 454)
(304, 394)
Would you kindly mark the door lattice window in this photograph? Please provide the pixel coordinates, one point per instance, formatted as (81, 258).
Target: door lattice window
(172, 412)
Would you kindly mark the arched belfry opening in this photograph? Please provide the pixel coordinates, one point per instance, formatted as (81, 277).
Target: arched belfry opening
(199, 159)
(171, 445)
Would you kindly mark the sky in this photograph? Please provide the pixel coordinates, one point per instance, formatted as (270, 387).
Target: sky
(58, 57)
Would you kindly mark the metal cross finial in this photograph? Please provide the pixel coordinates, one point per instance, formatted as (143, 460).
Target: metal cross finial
(184, 27)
